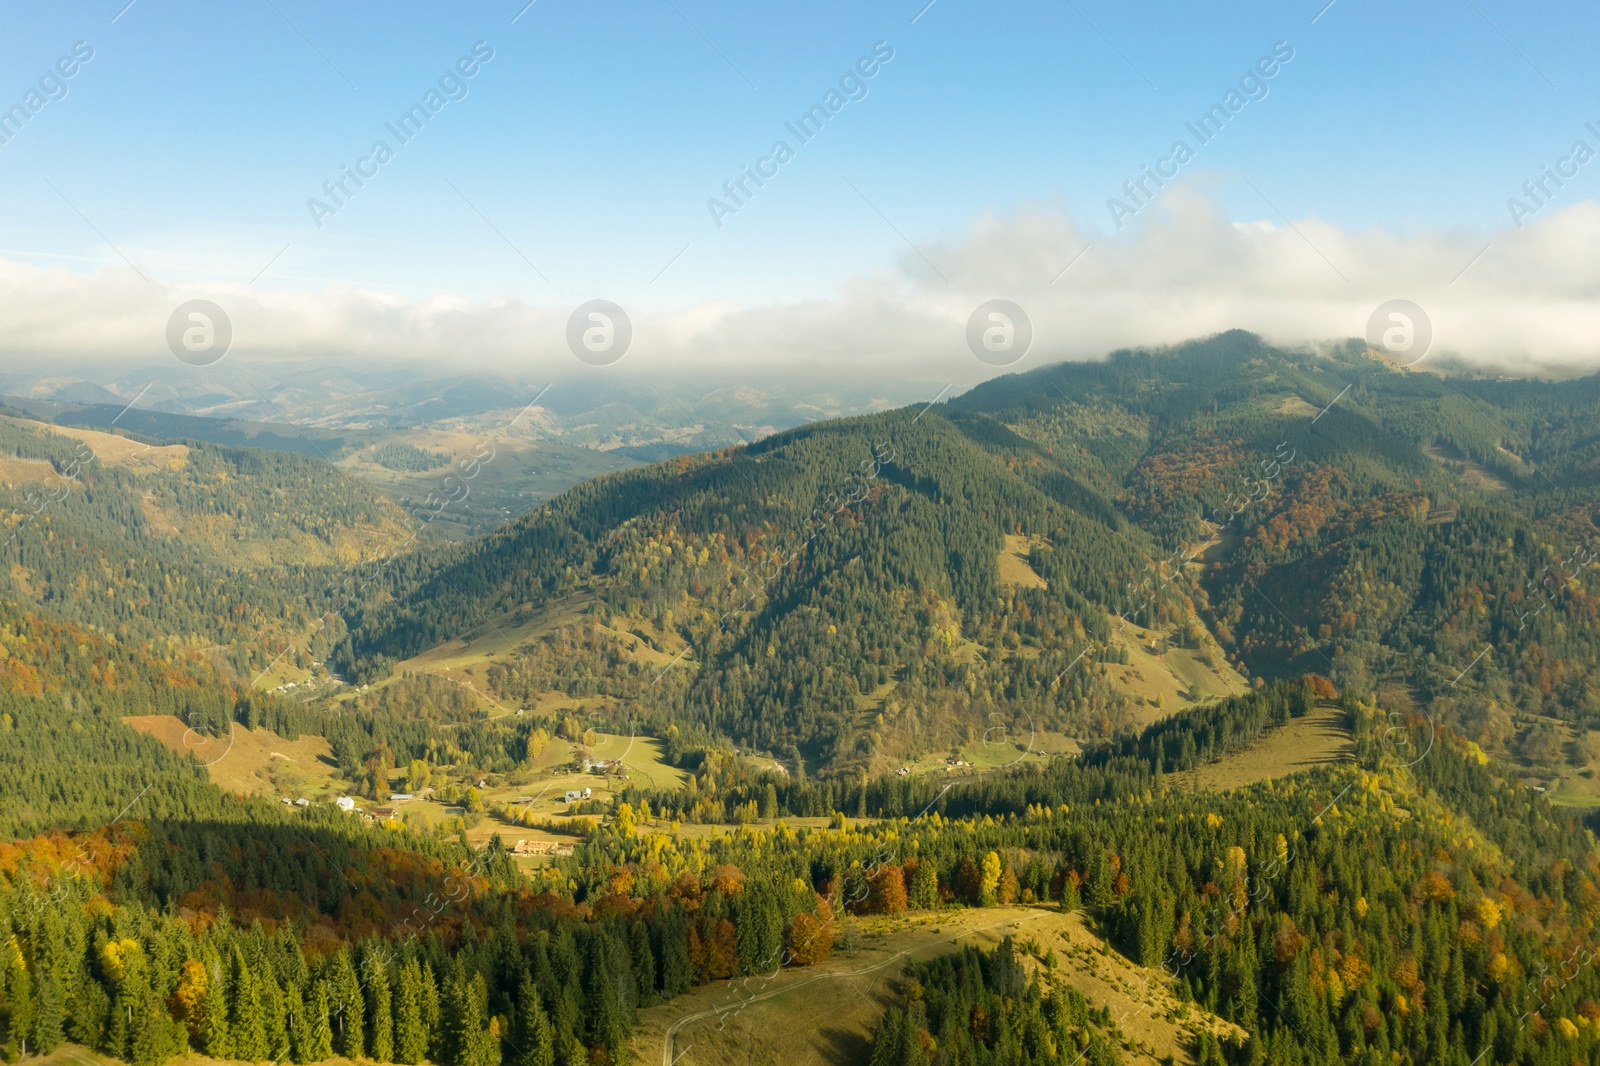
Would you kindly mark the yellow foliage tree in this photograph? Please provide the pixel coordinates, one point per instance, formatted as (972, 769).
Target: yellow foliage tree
(989, 885)
(190, 997)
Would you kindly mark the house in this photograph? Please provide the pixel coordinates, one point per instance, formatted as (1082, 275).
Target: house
(302, 802)
(577, 794)
(400, 797)
(345, 803)
(383, 812)
(541, 847)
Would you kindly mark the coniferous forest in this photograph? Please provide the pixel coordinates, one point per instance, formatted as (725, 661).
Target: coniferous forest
(794, 622)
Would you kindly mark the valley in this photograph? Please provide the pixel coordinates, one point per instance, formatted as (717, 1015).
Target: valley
(1123, 709)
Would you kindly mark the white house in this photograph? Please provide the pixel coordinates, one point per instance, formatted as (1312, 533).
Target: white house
(345, 803)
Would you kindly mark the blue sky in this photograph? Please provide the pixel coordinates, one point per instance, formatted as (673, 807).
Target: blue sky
(593, 139)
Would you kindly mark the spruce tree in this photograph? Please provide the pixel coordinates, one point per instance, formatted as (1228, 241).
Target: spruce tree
(245, 1021)
(925, 886)
(48, 1033)
(410, 1029)
(644, 965)
(574, 1052)
(470, 1042)
(677, 973)
(886, 1041)
(217, 1035)
(608, 1026)
(273, 1018)
(155, 1036)
(380, 1019)
(349, 1006)
(144, 1039)
(533, 1043)
(20, 1003)
(430, 1009)
(321, 1046)
(91, 1008)
(299, 1024)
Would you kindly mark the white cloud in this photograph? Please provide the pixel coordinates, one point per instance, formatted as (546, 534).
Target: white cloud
(1182, 270)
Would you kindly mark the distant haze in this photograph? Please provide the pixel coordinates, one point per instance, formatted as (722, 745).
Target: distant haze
(1517, 299)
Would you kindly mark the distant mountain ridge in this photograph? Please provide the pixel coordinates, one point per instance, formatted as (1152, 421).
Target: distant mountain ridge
(1287, 504)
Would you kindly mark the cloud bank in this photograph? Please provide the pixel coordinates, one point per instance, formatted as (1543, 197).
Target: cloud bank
(1518, 299)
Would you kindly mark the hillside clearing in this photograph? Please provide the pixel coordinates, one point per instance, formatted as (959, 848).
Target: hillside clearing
(825, 1013)
(1319, 738)
(1014, 566)
(1161, 678)
(250, 761)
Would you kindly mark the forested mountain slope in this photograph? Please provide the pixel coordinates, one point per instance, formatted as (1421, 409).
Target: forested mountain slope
(185, 542)
(801, 574)
(834, 592)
